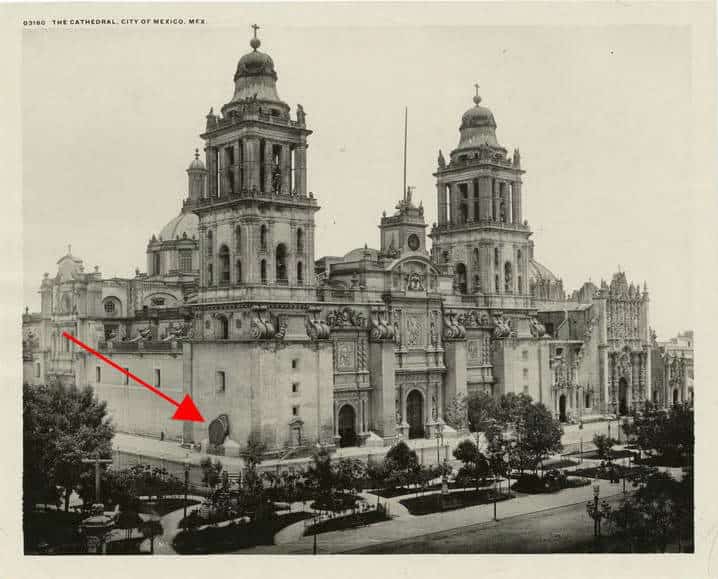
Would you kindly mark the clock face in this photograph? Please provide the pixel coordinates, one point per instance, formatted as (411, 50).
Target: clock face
(414, 242)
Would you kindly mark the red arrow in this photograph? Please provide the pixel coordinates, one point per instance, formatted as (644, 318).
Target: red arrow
(186, 410)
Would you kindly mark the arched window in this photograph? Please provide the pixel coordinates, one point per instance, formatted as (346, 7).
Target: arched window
(300, 273)
(281, 263)
(300, 240)
(520, 285)
(238, 238)
(210, 274)
(497, 286)
(210, 243)
(496, 257)
(461, 277)
(156, 263)
(508, 277)
(263, 237)
(224, 265)
(238, 271)
(263, 270)
(223, 327)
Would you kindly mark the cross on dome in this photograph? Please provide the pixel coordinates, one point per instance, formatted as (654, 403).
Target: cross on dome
(477, 98)
(255, 42)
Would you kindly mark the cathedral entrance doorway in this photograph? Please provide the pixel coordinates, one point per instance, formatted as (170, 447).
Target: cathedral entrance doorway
(562, 408)
(622, 396)
(415, 414)
(347, 429)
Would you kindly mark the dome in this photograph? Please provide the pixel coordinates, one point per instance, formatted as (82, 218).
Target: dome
(540, 272)
(196, 164)
(478, 127)
(185, 223)
(256, 77)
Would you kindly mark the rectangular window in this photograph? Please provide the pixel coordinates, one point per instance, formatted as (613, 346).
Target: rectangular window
(221, 380)
(295, 410)
(98, 374)
(158, 382)
(525, 355)
(37, 370)
(526, 372)
(185, 260)
(526, 388)
(295, 364)
(125, 377)
(295, 387)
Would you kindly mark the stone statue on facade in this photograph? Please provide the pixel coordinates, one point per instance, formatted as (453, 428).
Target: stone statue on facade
(301, 115)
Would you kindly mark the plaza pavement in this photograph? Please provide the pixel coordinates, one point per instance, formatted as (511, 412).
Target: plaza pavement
(405, 525)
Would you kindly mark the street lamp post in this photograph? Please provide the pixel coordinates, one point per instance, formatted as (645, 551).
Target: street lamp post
(186, 485)
(439, 444)
(597, 512)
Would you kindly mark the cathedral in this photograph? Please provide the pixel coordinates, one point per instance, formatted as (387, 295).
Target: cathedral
(271, 341)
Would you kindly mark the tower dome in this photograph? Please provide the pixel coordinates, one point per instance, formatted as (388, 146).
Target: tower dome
(197, 164)
(478, 127)
(256, 76)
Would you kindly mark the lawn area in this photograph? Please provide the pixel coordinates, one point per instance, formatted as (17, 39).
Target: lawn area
(164, 506)
(621, 471)
(348, 522)
(561, 463)
(428, 504)
(234, 536)
(401, 491)
(614, 454)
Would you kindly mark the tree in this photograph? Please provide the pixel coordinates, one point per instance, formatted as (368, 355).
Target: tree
(61, 426)
(402, 456)
(211, 472)
(539, 434)
(476, 466)
(603, 444)
(512, 408)
(252, 455)
(654, 515)
(456, 414)
(669, 435)
(482, 411)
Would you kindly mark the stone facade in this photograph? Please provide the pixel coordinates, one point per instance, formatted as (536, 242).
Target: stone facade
(346, 350)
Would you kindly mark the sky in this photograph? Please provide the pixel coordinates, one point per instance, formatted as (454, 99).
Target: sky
(602, 116)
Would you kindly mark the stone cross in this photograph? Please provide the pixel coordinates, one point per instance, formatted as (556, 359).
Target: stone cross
(255, 28)
(98, 461)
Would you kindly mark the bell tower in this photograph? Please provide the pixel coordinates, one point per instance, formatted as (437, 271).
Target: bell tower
(256, 217)
(481, 236)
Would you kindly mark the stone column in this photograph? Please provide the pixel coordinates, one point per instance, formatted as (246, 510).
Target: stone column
(268, 167)
(497, 202)
(439, 402)
(454, 203)
(429, 406)
(246, 163)
(402, 403)
(508, 203)
(286, 166)
(237, 166)
(211, 172)
(300, 169)
(442, 207)
(516, 201)
(485, 202)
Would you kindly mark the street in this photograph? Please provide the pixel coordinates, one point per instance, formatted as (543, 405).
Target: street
(563, 529)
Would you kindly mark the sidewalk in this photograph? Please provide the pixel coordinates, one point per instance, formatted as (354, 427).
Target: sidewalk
(405, 526)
